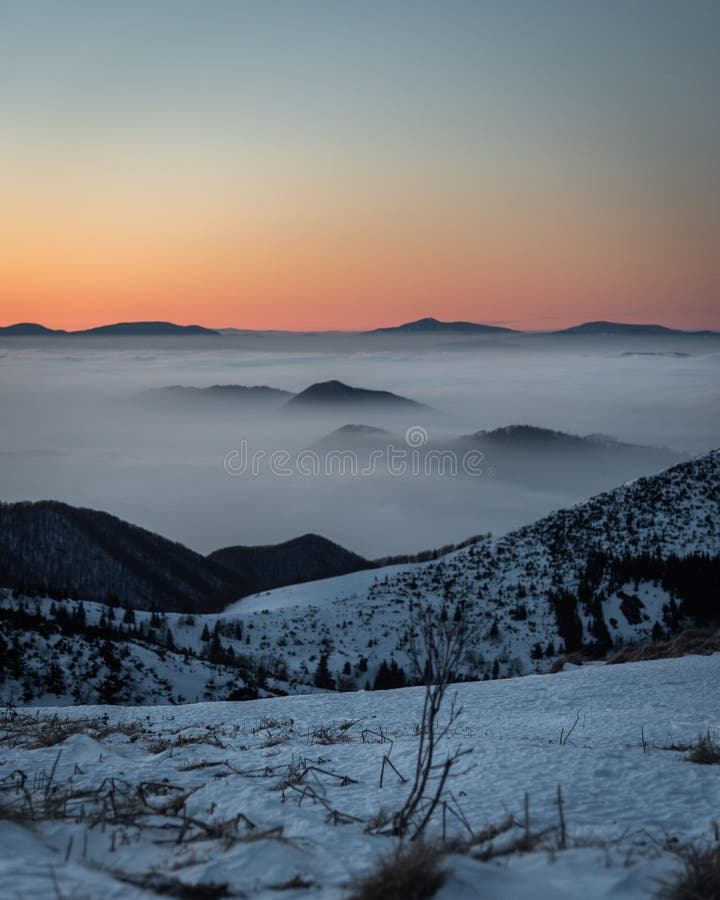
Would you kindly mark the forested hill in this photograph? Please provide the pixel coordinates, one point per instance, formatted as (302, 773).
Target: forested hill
(65, 550)
(53, 549)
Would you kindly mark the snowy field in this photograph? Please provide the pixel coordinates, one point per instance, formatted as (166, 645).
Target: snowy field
(272, 798)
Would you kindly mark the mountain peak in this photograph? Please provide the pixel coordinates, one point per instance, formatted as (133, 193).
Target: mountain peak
(336, 392)
(430, 325)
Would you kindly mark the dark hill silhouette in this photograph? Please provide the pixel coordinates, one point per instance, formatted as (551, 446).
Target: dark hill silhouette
(429, 325)
(305, 558)
(543, 458)
(619, 328)
(140, 329)
(21, 329)
(66, 550)
(136, 329)
(335, 393)
(52, 548)
(530, 436)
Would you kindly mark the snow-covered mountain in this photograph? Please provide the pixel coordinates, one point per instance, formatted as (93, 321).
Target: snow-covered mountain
(634, 563)
(620, 567)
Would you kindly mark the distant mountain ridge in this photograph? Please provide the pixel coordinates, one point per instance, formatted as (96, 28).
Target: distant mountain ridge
(545, 458)
(259, 394)
(133, 329)
(425, 326)
(331, 394)
(28, 328)
(628, 328)
(140, 329)
(539, 458)
(534, 434)
(430, 325)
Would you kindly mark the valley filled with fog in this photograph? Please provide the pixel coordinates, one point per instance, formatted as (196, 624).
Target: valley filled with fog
(81, 423)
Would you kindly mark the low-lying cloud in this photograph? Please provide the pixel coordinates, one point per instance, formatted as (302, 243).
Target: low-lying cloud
(74, 428)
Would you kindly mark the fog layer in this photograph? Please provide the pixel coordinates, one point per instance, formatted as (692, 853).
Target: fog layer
(77, 425)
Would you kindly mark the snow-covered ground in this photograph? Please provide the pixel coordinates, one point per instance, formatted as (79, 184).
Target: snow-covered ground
(259, 796)
(318, 593)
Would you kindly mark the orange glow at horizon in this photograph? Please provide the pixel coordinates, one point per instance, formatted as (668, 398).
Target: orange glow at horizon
(84, 243)
(73, 261)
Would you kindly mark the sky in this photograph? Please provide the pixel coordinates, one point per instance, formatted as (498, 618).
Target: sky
(321, 165)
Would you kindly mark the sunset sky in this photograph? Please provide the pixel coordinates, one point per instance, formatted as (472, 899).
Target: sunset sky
(301, 164)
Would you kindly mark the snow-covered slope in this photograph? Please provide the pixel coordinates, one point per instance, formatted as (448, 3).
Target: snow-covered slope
(54, 653)
(569, 579)
(253, 799)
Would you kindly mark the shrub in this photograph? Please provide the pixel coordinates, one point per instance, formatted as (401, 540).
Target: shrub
(700, 879)
(413, 872)
(706, 752)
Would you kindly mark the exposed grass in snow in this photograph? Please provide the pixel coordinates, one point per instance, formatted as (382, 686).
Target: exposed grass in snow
(691, 640)
(706, 751)
(700, 879)
(413, 872)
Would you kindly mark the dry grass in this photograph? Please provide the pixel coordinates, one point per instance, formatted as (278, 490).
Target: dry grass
(330, 734)
(578, 658)
(706, 752)
(157, 807)
(165, 886)
(32, 731)
(201, 764)
(700, 879)
(176, 740)
(692, 641)
(413, 872)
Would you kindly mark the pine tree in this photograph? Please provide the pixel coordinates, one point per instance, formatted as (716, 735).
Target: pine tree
(55, 680)
(323, 678)
(382, 678)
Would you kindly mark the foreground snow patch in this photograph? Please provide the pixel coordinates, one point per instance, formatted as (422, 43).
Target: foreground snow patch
(270, 796)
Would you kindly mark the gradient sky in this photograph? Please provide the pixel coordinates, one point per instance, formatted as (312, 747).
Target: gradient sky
(302, 164)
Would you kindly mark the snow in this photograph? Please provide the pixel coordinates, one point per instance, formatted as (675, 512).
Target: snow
(625, 801)
(674, 512)
(317, 593)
